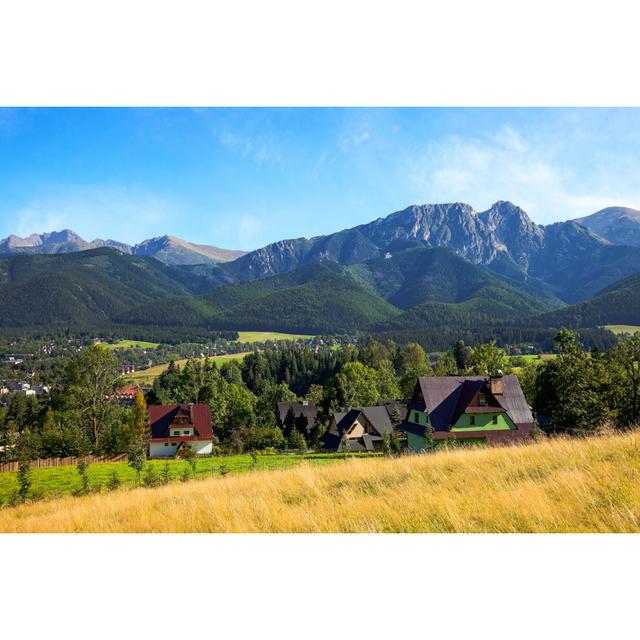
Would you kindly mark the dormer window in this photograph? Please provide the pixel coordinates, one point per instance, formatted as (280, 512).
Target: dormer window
(482, 399)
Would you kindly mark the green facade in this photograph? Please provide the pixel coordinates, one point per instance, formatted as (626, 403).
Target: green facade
(415, 442)
(418, 417)
(483, 422)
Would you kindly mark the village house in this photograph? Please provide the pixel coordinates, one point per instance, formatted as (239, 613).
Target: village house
(364, 428)
(125, 395)
(174, 428)
(476, 409)
(302, 416)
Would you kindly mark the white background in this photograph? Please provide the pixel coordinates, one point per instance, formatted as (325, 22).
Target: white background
(326, 53)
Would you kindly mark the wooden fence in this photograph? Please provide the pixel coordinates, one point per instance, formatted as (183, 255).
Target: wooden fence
(61, 462)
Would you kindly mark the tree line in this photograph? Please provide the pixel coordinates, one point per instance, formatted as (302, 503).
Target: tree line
(577, 392)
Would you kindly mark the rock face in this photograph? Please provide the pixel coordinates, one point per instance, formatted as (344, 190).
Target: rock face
(619, 225)
(503, 236)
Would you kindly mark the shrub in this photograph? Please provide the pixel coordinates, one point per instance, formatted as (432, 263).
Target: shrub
(137, 458)
(151, 477)
(85, 487)
(185, 474)
(24, 480)
(166, 476)
(190, 457)
(114, 481)
(297, 441)
(223, 469)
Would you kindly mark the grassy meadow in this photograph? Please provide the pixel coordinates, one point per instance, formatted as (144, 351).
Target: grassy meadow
(132, 344)
(621, 329)
(555, 485)
(263, 336)
(150, 374)
(58, 481)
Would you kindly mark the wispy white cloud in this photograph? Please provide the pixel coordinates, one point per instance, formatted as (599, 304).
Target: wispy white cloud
(260, 151)
(124, 213)
(351, 139)
(506, 164)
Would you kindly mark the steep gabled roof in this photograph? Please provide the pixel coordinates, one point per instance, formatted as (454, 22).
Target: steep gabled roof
(446, 397)
(162, 415)
(308, 410)
(377, 416)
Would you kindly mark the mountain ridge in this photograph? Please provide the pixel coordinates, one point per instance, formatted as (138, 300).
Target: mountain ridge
(167, 249)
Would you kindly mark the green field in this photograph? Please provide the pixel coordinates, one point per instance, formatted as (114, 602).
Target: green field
(58, 481)
(536, 357)
(619, 329)
(132, 344)
(150, 374)
(263, 336)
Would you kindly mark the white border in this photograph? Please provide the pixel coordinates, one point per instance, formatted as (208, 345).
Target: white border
(331, 53)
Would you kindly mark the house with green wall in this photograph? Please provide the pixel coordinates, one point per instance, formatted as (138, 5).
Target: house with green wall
(475, 409)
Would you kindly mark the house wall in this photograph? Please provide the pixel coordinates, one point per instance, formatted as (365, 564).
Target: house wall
(415, 443)
(158, 449)
(181, 431)
(356, 430)
(201, 447)
(483, 421)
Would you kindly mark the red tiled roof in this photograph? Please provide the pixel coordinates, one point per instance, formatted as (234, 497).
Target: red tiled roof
(162, 415)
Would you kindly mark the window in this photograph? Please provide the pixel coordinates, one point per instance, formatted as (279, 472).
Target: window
(472, 420)
(166, 444)
(494, 420)
(482, 399)
(185, 433)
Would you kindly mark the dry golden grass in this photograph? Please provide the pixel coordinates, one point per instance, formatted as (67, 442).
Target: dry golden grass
(590, 485)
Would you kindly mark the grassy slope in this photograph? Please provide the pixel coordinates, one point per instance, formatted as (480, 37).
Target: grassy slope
(620, 329)
(58, 481)
(263, 336)
(132, 344)
(150, 374)
(552, 486)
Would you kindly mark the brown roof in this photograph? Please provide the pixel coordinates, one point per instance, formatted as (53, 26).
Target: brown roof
(307, 409)
(162, 415)
(446, 397)
(377, 416)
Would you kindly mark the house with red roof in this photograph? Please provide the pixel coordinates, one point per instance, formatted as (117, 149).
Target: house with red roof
(175, 428)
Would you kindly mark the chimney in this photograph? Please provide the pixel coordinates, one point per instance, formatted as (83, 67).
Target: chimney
(496, 385)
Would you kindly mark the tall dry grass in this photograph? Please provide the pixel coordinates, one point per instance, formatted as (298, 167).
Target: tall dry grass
(590, 485)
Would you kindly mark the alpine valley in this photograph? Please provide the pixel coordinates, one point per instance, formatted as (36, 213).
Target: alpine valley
(433, 272)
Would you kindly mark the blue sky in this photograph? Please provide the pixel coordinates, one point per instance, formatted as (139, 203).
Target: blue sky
(241, 178)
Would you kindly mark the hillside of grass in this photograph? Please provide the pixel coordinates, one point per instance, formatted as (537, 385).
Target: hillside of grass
(557, 485)
(264, 336)
(147, 376)
(52, 482)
